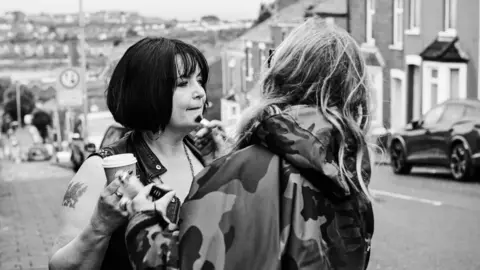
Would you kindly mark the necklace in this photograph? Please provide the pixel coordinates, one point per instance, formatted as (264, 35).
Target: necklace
(189, 160)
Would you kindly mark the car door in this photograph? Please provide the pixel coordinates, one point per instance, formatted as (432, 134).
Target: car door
(437, 136)
(418, 144)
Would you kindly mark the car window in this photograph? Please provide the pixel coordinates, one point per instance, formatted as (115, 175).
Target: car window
(112, 135)
(453, 112)
(472, 112)
(433, 116)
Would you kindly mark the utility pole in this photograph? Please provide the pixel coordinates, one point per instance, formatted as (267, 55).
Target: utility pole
(83, 66)
(19, 111)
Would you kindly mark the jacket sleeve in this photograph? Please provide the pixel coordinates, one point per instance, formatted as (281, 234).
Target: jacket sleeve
(150, 244)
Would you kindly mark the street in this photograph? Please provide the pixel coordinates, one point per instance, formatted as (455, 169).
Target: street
(424, 220)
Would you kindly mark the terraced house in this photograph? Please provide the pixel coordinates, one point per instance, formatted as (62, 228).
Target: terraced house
(441, 47)
(244, 58)
(376, 25)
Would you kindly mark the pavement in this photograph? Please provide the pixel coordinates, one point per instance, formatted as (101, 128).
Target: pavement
(424, 221)
(30, 197)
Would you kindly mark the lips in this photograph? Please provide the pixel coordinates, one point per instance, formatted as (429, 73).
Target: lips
(194, 109)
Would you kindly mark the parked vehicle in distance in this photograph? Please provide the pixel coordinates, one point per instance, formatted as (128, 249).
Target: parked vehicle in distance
(81, 148)
(448, 135)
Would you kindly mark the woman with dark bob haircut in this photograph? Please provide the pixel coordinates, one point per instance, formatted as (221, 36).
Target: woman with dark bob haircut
(158, 91)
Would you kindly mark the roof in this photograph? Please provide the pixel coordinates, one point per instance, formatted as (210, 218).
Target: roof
(372, 56)
(445, 50)
(331, 7)
(261, 32)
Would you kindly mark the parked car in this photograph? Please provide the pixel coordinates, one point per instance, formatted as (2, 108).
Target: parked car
(81, 148)
(114, 133)
(38, 152)
(447, 135)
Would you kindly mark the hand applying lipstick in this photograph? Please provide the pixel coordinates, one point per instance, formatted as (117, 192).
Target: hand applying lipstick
(210, 139)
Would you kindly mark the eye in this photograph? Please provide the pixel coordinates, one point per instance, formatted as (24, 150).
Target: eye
(182, 84)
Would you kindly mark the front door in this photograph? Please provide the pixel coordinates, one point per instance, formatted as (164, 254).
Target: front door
(397, 105)
(376, 77)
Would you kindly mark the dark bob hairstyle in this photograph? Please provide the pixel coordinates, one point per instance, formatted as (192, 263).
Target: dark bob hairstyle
(141, 87)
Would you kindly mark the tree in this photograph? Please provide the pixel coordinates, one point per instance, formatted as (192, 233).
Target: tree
(131, 33)
(263, 14)
(210, 19)
(42, 120)
(45, 95)
(27, 102)
(5, 83)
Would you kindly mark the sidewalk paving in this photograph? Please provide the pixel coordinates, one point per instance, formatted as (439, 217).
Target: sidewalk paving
(30, 197)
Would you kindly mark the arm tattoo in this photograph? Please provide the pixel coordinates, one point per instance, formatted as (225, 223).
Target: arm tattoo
(74, 191)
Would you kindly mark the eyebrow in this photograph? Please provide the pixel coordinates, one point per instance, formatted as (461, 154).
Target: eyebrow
(186, 77)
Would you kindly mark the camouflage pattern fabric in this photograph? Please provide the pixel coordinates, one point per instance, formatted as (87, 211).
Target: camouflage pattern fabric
(279, 203)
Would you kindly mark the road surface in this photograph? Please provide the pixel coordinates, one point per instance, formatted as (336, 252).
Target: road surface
(424, 221)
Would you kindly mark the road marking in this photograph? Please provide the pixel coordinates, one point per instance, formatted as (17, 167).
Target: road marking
(405, 197)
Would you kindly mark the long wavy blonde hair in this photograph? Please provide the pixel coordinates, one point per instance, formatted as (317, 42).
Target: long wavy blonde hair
(321, 65)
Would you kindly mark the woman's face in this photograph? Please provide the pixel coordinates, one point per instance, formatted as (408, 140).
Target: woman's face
(188, 100)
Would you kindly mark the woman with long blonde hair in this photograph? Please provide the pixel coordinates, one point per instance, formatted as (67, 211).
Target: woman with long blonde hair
(293, 193)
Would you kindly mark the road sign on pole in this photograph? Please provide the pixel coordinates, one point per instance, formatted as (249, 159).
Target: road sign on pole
(69, 87)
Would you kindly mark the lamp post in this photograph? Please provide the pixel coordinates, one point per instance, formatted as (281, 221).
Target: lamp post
(19, 111)
(83, 65)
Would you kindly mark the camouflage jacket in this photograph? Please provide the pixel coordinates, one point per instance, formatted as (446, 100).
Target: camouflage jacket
(279, 203)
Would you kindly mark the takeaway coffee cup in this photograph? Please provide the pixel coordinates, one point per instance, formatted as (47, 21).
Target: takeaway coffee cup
(121, 162)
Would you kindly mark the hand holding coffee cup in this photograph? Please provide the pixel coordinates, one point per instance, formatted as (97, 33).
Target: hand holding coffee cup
(117, 168)
(121, 162)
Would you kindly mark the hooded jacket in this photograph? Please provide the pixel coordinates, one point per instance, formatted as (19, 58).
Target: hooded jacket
(279, 203)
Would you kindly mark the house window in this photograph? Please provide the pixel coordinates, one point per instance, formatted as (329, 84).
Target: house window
(231, 70)
(450, 15)
(248, 63)
(443, 81)
(433, 87)
(454, 83)
(262, 54)
(369, 20)
(414, 16)
(398, 24)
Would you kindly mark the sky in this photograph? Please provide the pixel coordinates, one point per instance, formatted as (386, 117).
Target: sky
(167, 9)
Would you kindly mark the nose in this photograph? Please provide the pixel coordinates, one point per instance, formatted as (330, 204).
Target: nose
(198, 92)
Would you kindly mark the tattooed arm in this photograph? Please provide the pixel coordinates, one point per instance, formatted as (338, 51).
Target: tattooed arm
(81, 244)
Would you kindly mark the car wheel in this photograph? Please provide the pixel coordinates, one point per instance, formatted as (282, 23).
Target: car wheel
(460, 163)
(398, 159)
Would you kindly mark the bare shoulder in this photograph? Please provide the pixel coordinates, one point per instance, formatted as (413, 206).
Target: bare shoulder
(80, 198)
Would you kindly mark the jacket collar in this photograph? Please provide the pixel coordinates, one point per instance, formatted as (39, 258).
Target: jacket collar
(148, 163)
(303, 137)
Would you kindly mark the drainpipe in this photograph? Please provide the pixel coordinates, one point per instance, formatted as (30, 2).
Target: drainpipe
(348, 16)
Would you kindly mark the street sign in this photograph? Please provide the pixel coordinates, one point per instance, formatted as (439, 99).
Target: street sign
(69, 87)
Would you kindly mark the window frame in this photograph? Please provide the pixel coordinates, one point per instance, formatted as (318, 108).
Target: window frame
(370, 12)
(414, 17)
(398, 32)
